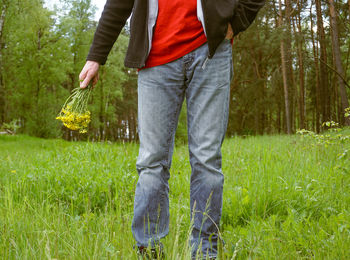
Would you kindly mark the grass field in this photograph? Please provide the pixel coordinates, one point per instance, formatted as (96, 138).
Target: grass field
(285, 197)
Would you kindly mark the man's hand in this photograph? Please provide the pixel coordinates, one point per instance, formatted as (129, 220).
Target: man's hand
(229, 33)
(88, 73)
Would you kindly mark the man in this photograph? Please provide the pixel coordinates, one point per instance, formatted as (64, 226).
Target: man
(183, 49)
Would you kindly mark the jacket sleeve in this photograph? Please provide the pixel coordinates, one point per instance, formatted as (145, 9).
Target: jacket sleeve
(112, 21)
(245, 14)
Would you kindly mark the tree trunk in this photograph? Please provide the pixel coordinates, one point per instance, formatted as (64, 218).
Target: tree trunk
(279, 96)
(38, 83)
(101, 112)
(337, 58)
(284, 73)
(289, 63)
(317, 72)
(260, 115)
(278, 120)
(324, 89)
(2, 90)
(301, 70)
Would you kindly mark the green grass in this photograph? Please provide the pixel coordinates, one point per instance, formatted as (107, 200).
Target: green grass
(285, 197)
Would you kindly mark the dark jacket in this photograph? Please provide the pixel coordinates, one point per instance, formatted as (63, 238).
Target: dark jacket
(217, 15)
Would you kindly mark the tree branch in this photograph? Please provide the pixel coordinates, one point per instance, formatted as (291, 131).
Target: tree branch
(341, 76)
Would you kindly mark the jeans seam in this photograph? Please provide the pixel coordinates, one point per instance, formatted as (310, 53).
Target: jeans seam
(172, 135)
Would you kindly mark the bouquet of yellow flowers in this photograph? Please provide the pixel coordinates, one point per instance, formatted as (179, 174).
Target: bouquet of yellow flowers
(74, 113)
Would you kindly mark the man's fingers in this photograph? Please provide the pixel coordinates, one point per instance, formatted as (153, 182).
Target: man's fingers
(88, 73)
(94, 82)
(82, 74)
(86, 81)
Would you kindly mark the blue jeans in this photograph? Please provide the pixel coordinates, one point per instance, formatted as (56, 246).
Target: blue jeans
(161, 91)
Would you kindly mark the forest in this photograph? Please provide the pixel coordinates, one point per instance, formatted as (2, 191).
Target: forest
(291, 71)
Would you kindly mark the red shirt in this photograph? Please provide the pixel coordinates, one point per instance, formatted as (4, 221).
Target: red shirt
(177, 31)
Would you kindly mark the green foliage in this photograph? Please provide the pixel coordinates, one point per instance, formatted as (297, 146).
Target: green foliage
(347, 112)
(32, 79)
(284, 198)
(334, 135)
(11, 127)
(327, 138)
(45, 51)
(39, 122)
